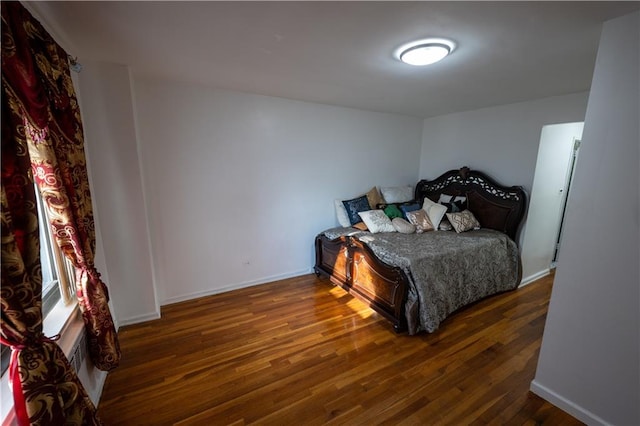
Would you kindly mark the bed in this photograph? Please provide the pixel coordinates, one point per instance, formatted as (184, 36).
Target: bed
(417, 280)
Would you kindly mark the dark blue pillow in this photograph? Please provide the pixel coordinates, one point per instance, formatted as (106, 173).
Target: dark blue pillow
(409, 208)
(360, 204)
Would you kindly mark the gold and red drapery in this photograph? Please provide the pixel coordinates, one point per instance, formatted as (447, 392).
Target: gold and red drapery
(42, 140)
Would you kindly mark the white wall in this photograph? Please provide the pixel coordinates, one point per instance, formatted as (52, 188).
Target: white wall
(235, 186)
(501, 141)
(547, 194)
(118, 196)
(590, 357)
(238, 185)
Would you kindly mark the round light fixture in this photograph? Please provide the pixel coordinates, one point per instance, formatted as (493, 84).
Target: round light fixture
(425, 52)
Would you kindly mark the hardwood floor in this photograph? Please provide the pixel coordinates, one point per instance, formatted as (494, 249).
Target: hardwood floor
(300, 351)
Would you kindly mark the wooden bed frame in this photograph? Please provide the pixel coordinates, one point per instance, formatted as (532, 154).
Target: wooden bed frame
(353, 266)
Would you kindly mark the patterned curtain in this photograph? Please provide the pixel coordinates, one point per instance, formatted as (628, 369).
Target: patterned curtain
(42, 139)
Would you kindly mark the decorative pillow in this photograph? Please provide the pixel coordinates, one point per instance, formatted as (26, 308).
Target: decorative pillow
(403, 226)
(453, 204)
(377, 221)
(463, 221)
(361, 226)
(409, 208)
(445, 225)
(420, 219)
(341, 214)
(397, 194)
(435, 211)
(354, 206)
(446, 198)
(392, 211)
(374, 198)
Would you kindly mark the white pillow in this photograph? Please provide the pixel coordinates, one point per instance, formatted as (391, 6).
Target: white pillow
(397, 194)
(377, 221)
(341, 214)
(435, 211)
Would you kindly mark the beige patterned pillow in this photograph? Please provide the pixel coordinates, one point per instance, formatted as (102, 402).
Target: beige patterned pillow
(463, 221)
(377, 221)
(420, 219)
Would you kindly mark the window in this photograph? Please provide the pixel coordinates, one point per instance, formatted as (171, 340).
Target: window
(58, 283)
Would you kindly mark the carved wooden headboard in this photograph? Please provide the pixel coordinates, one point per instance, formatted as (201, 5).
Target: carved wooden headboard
(495, 206)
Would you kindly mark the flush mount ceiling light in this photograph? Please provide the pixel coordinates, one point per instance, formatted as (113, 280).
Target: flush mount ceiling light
(425, 52)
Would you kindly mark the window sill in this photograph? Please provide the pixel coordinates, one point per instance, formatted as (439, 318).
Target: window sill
(58, 320)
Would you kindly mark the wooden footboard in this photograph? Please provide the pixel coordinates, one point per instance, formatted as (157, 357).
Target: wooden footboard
(350, 264)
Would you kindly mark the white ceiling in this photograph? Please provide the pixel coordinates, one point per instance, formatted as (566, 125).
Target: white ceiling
(341, 53)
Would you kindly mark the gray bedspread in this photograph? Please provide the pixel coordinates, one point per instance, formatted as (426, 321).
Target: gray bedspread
(446, 271)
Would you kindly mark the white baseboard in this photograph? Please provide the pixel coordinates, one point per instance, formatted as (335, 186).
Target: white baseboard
(531, 278)
(139, 318)
(156, 315)
(570, 407)
(237, 286)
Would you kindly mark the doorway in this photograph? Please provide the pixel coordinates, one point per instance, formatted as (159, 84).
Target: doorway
(557, 156)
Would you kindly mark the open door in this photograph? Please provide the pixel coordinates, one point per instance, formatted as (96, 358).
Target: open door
(565, 198)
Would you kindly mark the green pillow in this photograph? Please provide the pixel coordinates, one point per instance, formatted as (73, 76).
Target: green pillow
(392, 211)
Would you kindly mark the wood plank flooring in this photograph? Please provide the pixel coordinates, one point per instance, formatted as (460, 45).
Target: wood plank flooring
(302, 352)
